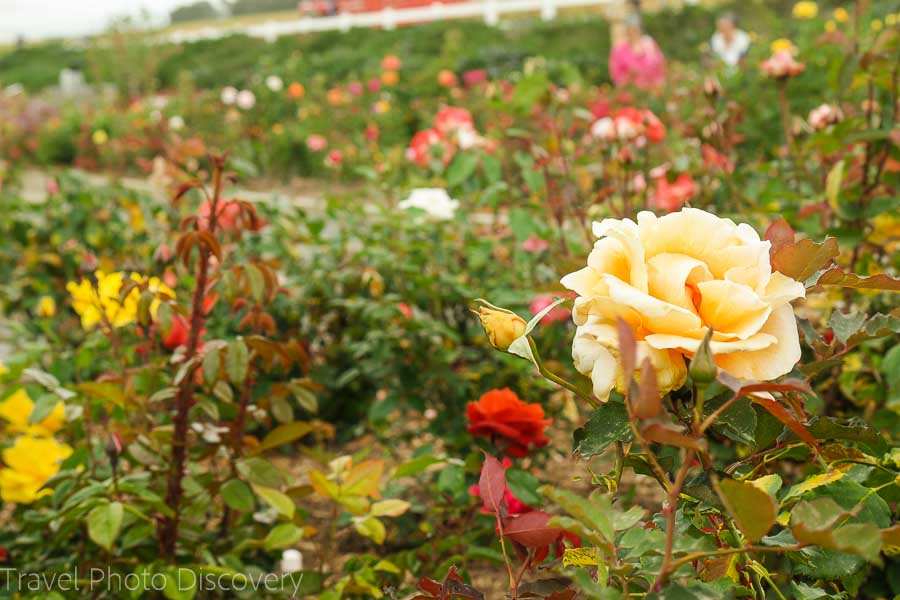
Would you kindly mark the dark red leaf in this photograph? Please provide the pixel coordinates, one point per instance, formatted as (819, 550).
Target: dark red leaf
(531, 530)
(492, 484)
(648, 403)
(780, 234)
(627, 348)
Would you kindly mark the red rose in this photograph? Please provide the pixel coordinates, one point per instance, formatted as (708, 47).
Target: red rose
(502, 413)
(671, 196)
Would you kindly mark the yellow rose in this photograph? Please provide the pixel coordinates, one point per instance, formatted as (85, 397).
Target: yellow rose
(890, 20)
(805, 10)
(17, 409)
(502, 326)
(93, 302)
(841, 15)
(830, 26)
(31, 462)
(46, 306)
(100, 137)
(781, 44)
(876, 25)
(671, 278)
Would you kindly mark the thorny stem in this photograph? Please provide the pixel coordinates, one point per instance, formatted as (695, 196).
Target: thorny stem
(184, 399)
(657, 469)
(513, 582)
(674, 492)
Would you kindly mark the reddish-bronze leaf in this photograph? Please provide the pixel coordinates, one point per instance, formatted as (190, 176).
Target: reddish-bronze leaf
(531, 530)
(803, 258)
(663, 435)
(648, 403)
(492, 484)
(780, 234)
(875, 282)
(627, 348)
(781, 413)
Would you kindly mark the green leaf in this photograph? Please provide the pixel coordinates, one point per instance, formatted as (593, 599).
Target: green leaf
(389, 508)
(833, 182)
(524, 486)
(237, 495)
(181, 583)
(461, 168)
(237, 361)
(371, 528)
(754, 511)
(277, 500)
(831, 428)
(845, 325)
(212, 361)
(43, 406)
(282, 536)
(737, 422)
(260, 471)
(818, 522)
(415, 466)
(256, 281)
(606, 425)
(284, 434)
(594, 512)
(105, 391)
(104, 523)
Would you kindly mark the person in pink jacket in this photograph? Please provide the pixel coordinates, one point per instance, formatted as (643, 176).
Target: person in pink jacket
(636, 60)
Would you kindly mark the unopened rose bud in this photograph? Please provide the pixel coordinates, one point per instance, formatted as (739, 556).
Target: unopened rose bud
(503, 327)
(703, 366)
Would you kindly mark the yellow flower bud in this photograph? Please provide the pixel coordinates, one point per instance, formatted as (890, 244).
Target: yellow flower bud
(46, 307)
(502, 326)
(805, 10)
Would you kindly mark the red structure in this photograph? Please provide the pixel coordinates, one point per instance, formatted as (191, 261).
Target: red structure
(333, 7)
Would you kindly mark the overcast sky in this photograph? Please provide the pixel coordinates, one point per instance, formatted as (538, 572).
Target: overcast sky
(38, 19)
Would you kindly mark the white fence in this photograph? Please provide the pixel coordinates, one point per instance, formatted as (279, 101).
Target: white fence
(388, 18)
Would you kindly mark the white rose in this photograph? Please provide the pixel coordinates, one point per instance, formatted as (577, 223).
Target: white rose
(245, 99)
(228, 95)
(274, 83)
(604, 129)
(435, 201)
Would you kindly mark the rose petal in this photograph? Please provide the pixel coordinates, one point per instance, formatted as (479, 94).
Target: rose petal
(669, 276)
(732, 308)
(775, 360)
(657, 315)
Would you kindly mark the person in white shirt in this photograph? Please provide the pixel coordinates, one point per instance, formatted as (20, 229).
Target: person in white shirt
(729, 43)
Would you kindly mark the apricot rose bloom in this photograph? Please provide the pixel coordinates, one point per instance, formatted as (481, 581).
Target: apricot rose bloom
(671, 278)
(501, 413)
